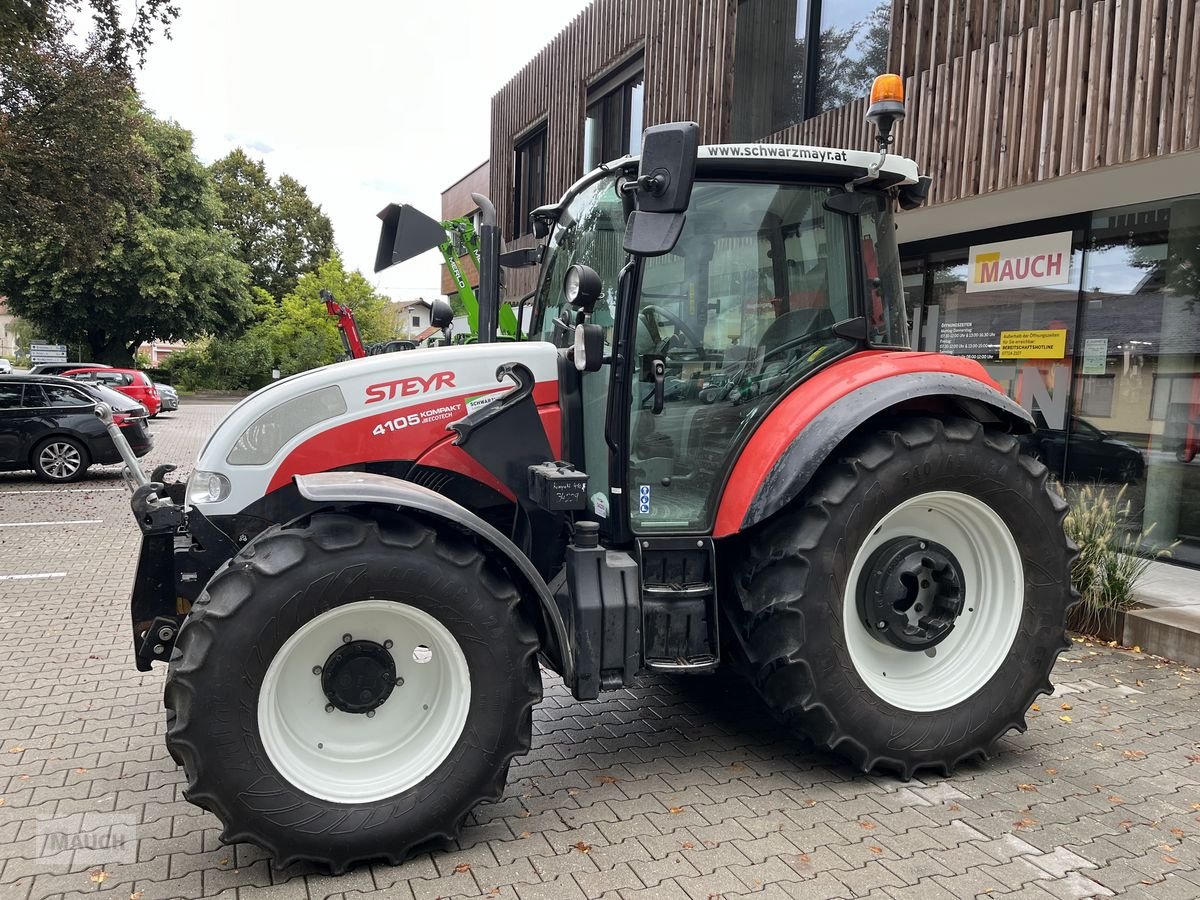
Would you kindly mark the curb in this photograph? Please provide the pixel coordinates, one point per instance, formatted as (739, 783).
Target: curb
(1168, 622)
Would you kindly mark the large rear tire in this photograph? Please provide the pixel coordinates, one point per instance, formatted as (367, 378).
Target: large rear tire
(908, 610)
(350, 688)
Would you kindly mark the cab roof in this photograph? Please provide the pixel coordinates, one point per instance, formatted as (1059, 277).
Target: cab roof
(757, 159)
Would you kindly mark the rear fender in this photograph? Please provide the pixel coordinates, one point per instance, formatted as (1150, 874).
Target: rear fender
(332, 488)
(804, 430)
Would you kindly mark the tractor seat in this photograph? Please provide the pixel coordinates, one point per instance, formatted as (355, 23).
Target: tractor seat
(792, 326)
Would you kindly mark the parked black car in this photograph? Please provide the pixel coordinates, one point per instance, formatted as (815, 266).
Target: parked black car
(59, 368)
(1089, 453)
(48, 424)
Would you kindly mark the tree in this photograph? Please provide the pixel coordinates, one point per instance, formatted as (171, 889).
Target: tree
(25, 22)
(69, 150)
(281, 234)
(166, 271)
(304, 336)
(292, 335)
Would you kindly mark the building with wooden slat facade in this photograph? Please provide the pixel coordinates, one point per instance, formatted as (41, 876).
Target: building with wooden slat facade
(1047, 126)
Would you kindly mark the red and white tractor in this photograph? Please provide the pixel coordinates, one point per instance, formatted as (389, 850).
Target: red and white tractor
(357, 584)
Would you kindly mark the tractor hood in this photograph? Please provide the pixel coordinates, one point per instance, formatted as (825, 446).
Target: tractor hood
(394, 407)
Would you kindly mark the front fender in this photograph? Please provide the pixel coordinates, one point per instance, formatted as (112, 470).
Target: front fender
(804, 429)
(365, 487)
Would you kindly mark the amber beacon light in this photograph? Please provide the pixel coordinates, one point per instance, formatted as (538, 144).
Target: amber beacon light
(887, 106)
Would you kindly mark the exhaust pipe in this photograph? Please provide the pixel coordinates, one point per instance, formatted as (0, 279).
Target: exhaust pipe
(489, 269)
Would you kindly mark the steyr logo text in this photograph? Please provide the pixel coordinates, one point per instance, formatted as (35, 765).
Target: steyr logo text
(409, 387)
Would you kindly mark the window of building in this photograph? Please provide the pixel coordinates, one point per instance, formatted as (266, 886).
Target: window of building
(1119, 407)
(529, 179)
(1096, 396)
(794, 59)
(416, 321)
(613, 124)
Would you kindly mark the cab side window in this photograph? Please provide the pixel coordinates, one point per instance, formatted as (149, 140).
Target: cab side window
(10, 396)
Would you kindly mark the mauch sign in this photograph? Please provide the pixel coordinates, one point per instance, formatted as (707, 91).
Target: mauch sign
(1026, 262)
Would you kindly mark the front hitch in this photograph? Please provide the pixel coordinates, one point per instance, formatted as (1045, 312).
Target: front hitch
(152, 505)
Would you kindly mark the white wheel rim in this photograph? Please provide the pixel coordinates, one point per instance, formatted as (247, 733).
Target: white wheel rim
(59, 460)
(994, 590)
(351, 757)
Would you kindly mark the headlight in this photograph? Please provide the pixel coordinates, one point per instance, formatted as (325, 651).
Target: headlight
(207, 487)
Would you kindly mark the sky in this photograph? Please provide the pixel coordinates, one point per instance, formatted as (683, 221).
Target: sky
(365, 102)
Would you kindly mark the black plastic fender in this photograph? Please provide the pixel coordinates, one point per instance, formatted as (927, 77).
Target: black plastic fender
(365, 487)
(821, 437)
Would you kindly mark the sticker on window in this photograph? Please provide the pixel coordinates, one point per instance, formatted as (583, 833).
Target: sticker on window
(644, 499)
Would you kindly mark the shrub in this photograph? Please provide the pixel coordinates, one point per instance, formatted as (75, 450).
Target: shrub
(1112, 557)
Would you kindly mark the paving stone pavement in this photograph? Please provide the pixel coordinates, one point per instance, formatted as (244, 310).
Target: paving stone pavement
(674, 790)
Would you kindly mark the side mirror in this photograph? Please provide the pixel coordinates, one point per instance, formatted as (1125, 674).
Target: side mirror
(663, 188)
(668, 167)
(441, 313)
(406, 232)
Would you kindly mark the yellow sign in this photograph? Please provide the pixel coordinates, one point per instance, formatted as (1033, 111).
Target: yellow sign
(1048, 344)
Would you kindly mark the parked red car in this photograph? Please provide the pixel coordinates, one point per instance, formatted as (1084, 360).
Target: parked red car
(130, 382)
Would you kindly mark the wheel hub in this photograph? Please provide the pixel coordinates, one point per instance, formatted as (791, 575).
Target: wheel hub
(910, 593)
(358, 676)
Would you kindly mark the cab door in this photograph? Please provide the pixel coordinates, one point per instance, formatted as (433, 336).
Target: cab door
(737, 314)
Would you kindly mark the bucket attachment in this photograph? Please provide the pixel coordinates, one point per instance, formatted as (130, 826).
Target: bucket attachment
(406, 232)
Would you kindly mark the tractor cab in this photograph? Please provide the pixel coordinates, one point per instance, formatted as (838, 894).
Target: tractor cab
(782, 266)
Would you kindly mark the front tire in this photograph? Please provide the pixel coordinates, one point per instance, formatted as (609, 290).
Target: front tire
(909, 609)
(350, 689)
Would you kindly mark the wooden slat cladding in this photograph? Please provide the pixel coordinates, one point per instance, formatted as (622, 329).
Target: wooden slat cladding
(688, 59)
(1097, 84)
(926, 33)
(1000, 93)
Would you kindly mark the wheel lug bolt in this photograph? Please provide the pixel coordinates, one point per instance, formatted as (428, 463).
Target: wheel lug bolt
(346, 638)
(316, 670)
(881, 624)
(370, 713)
(328, 707)
(399, 681)
(387, 645)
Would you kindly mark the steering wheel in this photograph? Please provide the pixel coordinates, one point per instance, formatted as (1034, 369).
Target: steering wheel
(681, 327)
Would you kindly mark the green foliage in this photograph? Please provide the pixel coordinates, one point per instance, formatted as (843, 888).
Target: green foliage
(69, 147)
(166, 272)
(293, 335)
(281, 234)
(114, 33)
(1112, 558)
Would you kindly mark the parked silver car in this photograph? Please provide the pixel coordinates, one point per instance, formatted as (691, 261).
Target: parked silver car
(168, 396)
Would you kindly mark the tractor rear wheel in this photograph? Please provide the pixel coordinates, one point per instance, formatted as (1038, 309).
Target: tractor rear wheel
(350, 688)
(908, 609)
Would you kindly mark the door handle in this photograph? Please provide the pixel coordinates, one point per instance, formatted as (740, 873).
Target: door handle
(658, 371)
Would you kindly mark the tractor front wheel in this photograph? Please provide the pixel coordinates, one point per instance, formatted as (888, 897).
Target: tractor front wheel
(350, 689)
(908, 610)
